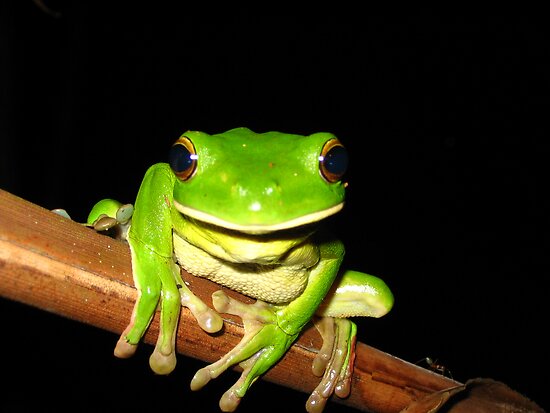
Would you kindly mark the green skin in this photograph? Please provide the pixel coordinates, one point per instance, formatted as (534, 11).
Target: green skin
(246, 218)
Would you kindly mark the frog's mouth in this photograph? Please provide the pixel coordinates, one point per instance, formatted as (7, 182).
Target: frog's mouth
(258, 228)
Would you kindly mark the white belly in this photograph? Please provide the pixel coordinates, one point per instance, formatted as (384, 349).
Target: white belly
(274, 283)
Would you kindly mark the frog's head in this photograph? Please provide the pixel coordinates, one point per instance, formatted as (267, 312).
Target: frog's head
(258, 183)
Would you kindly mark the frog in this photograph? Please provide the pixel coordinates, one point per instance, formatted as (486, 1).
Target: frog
(247, 211)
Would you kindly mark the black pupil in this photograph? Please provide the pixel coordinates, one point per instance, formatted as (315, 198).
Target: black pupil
(180, 158)
(336, 160)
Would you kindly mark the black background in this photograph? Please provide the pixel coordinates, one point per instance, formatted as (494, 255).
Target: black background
(445, 118)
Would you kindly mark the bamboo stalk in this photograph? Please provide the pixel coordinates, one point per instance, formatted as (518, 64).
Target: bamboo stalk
(60, 266)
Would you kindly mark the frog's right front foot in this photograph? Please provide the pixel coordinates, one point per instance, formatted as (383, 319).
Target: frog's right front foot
(158, 277)
(124, 349)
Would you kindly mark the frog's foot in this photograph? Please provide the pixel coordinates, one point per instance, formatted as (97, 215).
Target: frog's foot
(112, 217)
(61, 212)
(163, 359)
(262, 345)
(153, 286)
(208, 319)
(334, 361)
(123, 348)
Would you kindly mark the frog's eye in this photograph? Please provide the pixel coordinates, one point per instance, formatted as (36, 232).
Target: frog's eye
(183, 158)
(333, 161)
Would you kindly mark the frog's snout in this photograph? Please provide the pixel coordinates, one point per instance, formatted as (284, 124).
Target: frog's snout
(260, 198)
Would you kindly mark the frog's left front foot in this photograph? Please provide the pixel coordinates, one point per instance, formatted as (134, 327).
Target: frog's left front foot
(334, 361)
(262, 345)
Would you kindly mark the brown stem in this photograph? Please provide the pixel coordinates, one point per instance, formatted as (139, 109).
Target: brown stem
(58, 265)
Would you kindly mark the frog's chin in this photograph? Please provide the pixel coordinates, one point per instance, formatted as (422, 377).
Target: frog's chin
(258, 228)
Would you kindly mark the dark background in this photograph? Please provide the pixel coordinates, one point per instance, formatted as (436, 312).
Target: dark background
(445, 118)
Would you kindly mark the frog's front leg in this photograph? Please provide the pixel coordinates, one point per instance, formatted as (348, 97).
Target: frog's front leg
(156, 276)
(269, 329)
(263, 344)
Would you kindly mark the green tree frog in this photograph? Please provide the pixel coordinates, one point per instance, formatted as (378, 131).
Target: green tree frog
(241, 209)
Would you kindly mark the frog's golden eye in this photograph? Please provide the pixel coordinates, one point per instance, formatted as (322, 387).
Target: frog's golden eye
(333, 161)
(183, 158)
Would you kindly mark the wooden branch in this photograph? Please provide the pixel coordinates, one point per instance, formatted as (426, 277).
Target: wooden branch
(60, 266)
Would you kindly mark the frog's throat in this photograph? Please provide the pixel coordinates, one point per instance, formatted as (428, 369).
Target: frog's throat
(258, 228)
